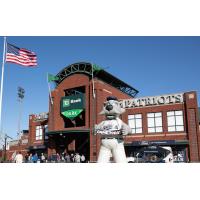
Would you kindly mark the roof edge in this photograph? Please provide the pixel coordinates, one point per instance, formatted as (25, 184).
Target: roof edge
(93, 70)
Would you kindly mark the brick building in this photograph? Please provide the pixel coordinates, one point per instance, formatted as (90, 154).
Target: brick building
(31, 141)
(74, 111)
(37, 129)
(166, 120)
(17, 145)
(81, 90)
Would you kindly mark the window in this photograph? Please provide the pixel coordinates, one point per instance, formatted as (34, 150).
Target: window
(135, 122)
(175, 121)
(154, 122)
(75, 91)
(38, 134)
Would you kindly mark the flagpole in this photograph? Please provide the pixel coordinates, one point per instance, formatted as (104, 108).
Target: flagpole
(2, 77)
(49, 90)
(93, 82)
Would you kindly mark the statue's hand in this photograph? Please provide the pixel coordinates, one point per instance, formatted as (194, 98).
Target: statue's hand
(123, 132)
(125, 129)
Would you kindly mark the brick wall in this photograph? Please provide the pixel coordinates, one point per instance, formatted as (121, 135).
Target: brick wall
(32, 130)
(191, 124)
(55, 119)
(191, 107)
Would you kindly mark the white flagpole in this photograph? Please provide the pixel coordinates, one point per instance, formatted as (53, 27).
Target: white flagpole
(93, 82)
(49, 90)
(2, 76)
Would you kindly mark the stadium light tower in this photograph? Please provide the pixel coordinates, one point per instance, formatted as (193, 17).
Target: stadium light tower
(20, 94)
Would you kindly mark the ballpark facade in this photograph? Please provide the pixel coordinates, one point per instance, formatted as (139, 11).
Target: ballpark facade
(82, 88)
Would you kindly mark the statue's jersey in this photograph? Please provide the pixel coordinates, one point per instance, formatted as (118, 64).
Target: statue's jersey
(109, 127)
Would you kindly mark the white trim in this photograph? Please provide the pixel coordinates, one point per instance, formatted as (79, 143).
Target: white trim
(154, 135)
(107, 91)
(169, 134)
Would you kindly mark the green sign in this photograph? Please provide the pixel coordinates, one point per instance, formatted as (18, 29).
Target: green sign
(72, 113)
(72, 106)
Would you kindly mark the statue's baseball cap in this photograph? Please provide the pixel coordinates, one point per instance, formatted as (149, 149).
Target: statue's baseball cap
(111, 98)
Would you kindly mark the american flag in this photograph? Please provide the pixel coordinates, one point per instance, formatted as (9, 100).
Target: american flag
(20, 56)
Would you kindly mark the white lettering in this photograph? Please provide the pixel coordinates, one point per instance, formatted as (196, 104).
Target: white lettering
(150, 101)
(179, 98)
(41, 116)
(75, 100)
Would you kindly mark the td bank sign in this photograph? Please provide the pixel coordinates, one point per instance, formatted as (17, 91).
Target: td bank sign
(72, 106)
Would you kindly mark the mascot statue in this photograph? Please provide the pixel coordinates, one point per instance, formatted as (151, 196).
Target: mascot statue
(112, 130)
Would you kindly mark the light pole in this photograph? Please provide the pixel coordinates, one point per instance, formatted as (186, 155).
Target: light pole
(5, 145)
(20, 94)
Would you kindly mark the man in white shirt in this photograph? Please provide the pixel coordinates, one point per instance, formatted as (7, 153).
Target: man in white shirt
(19, 158)
(82, 158)
(77, 158)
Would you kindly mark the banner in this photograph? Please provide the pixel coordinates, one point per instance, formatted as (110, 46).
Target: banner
(72, 106)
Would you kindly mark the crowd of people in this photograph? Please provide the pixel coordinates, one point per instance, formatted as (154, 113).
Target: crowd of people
(68, 158)
(74, 157)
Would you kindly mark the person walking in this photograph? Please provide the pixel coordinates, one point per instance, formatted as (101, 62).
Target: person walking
(13, 157)
(58, 157)
(19, 158)
(82, 158)
(63, 157)
(35, 158)
(26, 158)
(42, 158)
(30, 158)
(72, 157)
(67, 158)
(77, 158)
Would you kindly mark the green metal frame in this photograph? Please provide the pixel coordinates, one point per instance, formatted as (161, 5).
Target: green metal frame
(95, 71)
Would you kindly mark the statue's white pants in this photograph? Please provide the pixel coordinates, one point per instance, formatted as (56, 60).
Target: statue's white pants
(112, 147)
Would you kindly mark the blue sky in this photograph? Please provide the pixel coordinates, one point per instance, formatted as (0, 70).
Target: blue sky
(152, 65)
